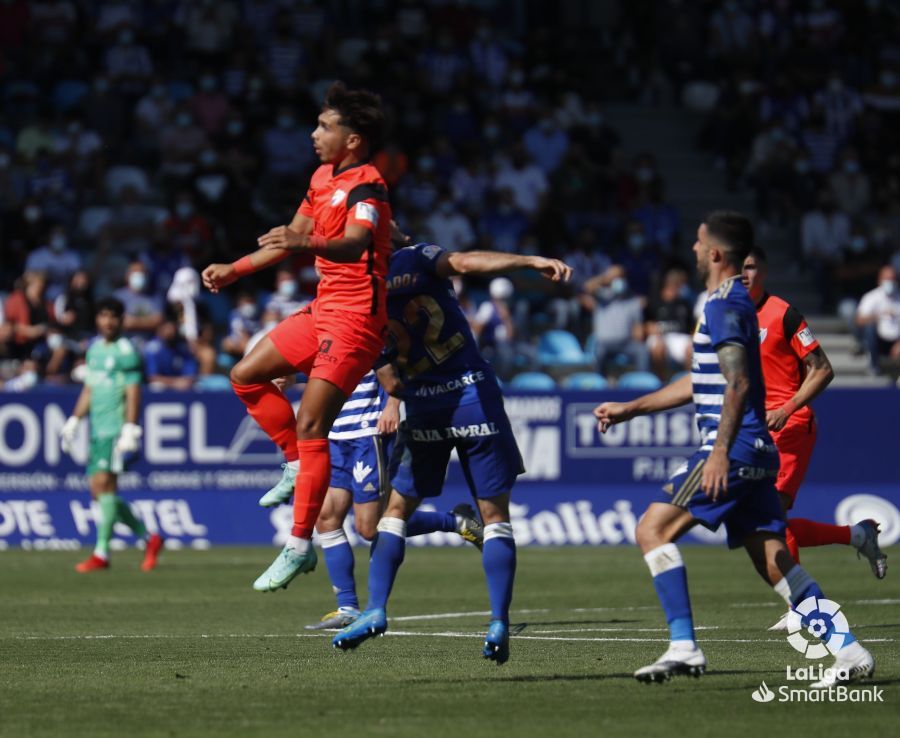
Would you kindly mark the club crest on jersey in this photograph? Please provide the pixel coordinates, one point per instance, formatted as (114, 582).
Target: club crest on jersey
(338, 197)
(763, 332)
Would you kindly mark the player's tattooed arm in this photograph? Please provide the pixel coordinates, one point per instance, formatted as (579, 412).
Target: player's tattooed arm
(733, 364)
(818, 376)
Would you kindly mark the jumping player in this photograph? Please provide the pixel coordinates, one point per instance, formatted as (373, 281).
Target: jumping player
(360, 442)
(453, 401)
(796, 371)
(730, 479)
(344, 220)
(112, 396)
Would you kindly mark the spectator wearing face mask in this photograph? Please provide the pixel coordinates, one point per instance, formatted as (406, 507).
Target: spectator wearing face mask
(189, 231)
(179, 144)
(494, 329)
(286, 300)
(618, 320)
(243, 322)
(56, 260)
(143, 311)
(850, 185)
(670, 323)
(546, 143)
(878, 315)
(638, 257)
(449, 227)
(128, 64)
(74, 309)
(287, 149)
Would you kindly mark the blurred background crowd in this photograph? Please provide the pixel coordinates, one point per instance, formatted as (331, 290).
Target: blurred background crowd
(141, 140)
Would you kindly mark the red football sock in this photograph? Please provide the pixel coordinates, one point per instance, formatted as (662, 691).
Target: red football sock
(810, 533)
(311, 486)
(793, 548)
(271, 409)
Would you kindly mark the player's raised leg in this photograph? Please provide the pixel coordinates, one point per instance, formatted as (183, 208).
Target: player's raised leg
(658, 529)
(251, 379)
(773, 561)
(499, 561)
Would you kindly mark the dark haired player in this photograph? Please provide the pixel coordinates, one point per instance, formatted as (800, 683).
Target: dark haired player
(112, 396)
(731, 478)
(453, 402)
(796, 371)
(344, 220)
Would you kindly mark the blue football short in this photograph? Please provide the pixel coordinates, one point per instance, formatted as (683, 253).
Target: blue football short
(360, 466)
(483, 438)
(750, 505)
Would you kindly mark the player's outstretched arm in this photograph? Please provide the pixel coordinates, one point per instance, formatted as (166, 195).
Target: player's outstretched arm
(733, 362)
(497, 262)
(217, 276)
(676, 394)
(819, 374)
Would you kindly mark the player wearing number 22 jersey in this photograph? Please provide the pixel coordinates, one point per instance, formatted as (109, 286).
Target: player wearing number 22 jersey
(453, 402)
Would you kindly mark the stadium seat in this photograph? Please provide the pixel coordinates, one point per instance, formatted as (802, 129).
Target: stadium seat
(213, 383)
(560, 348)
(675, 377)
(585, 381)
(532, 381)
(639, 381)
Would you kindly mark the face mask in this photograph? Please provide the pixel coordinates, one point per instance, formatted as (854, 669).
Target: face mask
(285, 121)
(137, 281)
(58, 242)
(247, 310)
(889, 286)
(644, 174)
(54, 341)
(32, 214)
(858, 243)
(636, 241)
(287, 288)
(618, 286)
(184, 210)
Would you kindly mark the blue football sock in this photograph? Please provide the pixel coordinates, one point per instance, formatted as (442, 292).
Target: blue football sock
(421, 522)
(670, 581)
(499, 561)
(339, 561)
(387, 555)
(796, 586)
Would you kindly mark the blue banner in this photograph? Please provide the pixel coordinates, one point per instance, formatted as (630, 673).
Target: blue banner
(205, 464)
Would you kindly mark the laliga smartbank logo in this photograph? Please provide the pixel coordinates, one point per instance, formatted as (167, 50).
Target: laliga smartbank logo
(827, 628)
(822, 618)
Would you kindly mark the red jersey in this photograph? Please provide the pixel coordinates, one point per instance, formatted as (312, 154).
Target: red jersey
(784, 341)
(356, 194)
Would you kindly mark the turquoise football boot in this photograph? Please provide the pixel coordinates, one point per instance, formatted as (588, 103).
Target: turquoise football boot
(282, 491)
(288, 565)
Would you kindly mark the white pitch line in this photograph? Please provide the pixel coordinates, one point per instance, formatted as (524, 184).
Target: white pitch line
(406, 634)
(451, 615)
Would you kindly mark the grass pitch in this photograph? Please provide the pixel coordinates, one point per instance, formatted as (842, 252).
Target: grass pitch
(191, 650)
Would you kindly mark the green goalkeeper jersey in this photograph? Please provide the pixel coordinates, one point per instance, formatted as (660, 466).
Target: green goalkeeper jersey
(111, 368)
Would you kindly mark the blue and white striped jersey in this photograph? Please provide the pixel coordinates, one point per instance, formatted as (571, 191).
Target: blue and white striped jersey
(359, 416)
(729, 317)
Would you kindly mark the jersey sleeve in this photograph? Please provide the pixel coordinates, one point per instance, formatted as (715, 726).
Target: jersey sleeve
(365, 204)
(427, 256)
(726, 324)
(797, 333)
(306, 204)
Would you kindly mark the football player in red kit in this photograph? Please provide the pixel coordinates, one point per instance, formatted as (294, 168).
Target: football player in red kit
(344, 219)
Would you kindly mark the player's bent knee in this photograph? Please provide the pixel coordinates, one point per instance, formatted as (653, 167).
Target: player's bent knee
(367, 529)
(310, 426)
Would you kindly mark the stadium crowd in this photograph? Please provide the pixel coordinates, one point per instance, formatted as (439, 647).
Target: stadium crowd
(142, 139)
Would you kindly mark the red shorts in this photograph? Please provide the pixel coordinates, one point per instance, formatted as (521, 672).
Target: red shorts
(338, 346)
(795, 444)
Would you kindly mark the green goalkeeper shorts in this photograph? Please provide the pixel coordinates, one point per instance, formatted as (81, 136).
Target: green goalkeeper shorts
(103, 457)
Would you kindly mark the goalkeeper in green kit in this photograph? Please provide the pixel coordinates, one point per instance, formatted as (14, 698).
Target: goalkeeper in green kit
(112, 396)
